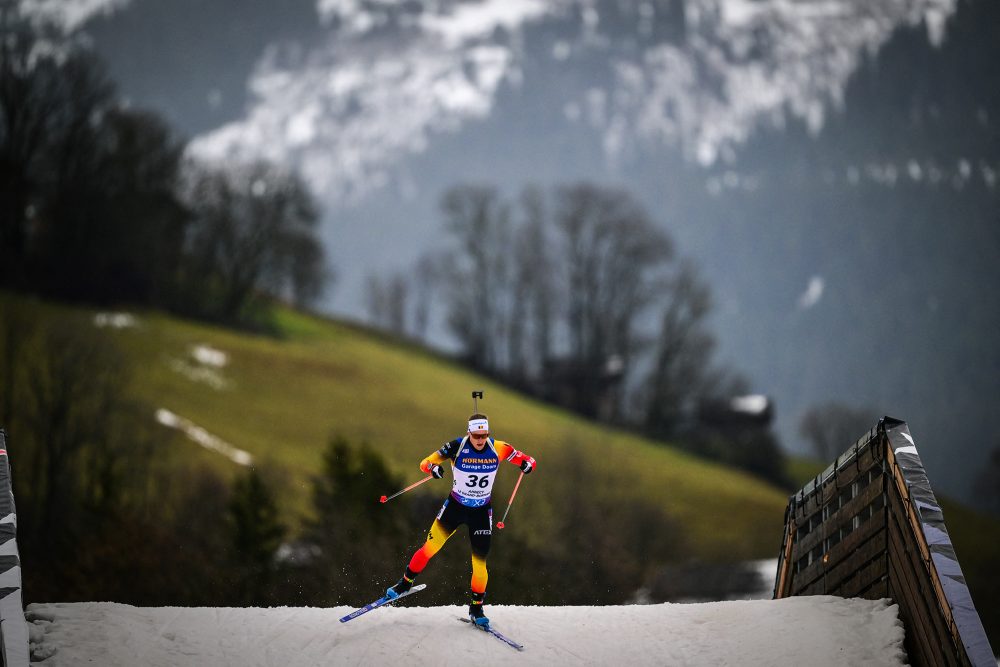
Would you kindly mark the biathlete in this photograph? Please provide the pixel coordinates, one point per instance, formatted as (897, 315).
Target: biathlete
(475, 459)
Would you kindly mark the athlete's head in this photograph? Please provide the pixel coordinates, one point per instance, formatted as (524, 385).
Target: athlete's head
(479, 428)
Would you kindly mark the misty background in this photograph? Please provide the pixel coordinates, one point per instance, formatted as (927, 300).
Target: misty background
(831, 169)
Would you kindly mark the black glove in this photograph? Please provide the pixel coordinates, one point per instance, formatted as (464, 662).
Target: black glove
(437, 472)
(527, 466)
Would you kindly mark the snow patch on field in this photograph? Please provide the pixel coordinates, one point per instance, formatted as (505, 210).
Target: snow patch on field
(115, 320)
(203, 437)
(206, 366)
(209, 356)
(818, 631)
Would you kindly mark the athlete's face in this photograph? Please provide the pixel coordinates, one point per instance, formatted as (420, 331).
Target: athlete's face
(479, 439)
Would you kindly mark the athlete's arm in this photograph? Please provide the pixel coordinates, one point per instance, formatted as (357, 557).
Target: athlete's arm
(507, 452)
(447, 451)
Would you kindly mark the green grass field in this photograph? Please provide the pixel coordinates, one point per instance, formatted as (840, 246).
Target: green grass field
(282, 398)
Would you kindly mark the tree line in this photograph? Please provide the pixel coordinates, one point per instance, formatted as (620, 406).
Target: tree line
(99, 204)
(577, 296)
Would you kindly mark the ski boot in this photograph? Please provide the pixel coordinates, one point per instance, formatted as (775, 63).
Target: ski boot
(476, 614)
(404, 584)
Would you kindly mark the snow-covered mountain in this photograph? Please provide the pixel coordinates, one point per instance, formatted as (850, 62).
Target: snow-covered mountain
(697, 75)
(388, 76)
(820, 631)
(68, 15)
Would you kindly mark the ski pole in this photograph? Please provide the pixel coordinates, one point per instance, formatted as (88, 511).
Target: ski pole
(510, 502)
(385, 499)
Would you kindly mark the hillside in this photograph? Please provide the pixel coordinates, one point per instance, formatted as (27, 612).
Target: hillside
(598, 493)
(280, 399)
(819, 631)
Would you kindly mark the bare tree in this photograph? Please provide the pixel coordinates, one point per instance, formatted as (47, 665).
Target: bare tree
(252, 233)
(614, 258)
(112, 226)
(426, 276)
(48, 98)
(533, 319)
(833, 427)
(87, 203)
(478, 275)
(74, 387)
(680, 375)
(387, 297)
(308, 273)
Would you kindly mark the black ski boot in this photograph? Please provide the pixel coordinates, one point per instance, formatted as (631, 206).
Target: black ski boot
(476, 614)
(404, 584)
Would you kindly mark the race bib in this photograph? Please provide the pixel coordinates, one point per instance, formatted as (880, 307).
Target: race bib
(474, 473)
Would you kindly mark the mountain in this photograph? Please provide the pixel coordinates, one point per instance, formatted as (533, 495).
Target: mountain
(831, 165)
(384, 79)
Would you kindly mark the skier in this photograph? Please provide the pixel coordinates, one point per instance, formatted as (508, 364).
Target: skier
(475, 459)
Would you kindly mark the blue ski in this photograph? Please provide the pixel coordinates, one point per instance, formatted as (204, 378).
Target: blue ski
(384, 600)
(506, 640)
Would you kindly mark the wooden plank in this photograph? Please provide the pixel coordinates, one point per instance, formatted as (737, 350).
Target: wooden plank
(818, 568)
(854, 554)
(909, 576)
(861, 534)
(810, 574)
(919, 637)
(877, 589)
(784, 579)
(856, 504)
(917, 576)
(837, 519)
(855, 560)
(925, 555)
(864, 581)
(923, 643)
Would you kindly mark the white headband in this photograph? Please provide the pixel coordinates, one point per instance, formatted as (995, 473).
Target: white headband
(478, 425)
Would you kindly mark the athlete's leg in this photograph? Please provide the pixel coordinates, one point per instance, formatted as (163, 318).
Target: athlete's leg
(480, 532)
(442, 528)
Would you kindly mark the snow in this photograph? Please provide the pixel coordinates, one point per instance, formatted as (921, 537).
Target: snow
(813, 293)
(469, 22)
(115, 320)
(206, 368)
(69, 14)
(752, 404)
(208, 355)
(815, 631)
(199, 373)
(203, 437)
(355, 104)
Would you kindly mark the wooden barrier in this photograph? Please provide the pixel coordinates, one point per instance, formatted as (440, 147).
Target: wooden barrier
(13, 629)
(869, 526)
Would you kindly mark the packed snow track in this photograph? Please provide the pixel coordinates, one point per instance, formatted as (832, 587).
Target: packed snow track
(794, 631)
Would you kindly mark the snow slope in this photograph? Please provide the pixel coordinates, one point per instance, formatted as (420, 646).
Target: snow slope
(795, 631)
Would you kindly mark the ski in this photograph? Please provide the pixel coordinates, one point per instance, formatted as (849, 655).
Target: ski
(382, 601)
(489, 629)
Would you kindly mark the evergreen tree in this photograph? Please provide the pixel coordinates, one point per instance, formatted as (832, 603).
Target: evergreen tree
(360, 543)
(257, 532)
